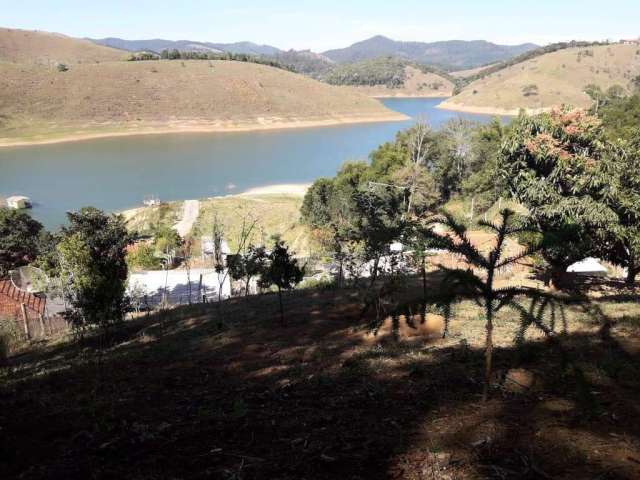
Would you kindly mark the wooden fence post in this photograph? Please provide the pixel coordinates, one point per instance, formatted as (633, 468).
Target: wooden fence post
(44, 331)
(25, 320)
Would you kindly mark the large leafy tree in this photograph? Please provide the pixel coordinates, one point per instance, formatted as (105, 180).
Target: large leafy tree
(93, 263)
(551, 163)
(621, 193)
(19, 239)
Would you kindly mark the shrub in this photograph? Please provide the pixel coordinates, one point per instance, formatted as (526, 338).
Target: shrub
(62, 67)
(9, 338)
(143, 257)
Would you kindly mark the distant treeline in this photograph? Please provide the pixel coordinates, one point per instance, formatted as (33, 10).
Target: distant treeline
(184, 55)
(387, 71)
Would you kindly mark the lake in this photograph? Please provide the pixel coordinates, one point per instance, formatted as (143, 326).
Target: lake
(116, 173)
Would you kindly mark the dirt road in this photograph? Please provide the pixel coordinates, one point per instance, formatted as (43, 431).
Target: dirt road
(190, 211)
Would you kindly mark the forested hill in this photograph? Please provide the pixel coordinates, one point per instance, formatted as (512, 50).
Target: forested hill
(453, 54)
(159, 44)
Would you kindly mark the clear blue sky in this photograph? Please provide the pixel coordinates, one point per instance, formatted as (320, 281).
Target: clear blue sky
(328, 24)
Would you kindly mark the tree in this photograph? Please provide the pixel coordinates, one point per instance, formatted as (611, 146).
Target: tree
(93, 262)
(551, 164)
(621, 193)
(316, 208)
(478, 280)
(282, 271)
(248, 265)
(19, 239)
(482, 180)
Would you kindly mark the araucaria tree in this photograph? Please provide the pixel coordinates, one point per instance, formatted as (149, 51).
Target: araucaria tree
(479, 279)
(282, 271)
(93, 265)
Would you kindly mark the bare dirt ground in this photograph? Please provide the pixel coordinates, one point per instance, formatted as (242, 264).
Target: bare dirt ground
(189, 396)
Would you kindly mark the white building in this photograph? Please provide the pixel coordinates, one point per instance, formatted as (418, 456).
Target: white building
(18, 202)
(176, 285)
(588, 267)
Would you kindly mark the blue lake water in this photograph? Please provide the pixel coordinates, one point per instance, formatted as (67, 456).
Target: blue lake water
(116, 173)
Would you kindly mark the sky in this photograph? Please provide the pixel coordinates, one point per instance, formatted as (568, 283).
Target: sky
(322, 25)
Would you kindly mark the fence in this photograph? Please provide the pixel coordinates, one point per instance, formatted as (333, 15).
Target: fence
(28, 311)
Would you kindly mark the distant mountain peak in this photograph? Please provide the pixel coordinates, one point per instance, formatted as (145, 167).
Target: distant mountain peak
(451, 54)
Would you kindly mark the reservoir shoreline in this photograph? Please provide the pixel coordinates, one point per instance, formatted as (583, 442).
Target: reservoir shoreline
(230, 127)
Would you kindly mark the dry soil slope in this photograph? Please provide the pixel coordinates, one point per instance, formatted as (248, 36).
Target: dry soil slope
(417, 84)
(33, 47)
(38, 104)
(560, 78)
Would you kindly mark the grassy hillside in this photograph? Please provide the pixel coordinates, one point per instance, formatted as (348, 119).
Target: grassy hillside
(39, 103)
(551, 79)
(42, 48)
(276, 214)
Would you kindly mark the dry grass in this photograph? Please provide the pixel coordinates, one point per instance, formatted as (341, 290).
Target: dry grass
(560, 78)
(40, 102)
(320, 400)
(43, 48)
(275, 215)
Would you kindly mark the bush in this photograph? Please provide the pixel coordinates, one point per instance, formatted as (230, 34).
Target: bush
(143, 257)
(9, 338)
(62, 67)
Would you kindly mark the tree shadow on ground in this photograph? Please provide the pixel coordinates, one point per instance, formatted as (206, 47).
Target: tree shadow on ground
(184, 396)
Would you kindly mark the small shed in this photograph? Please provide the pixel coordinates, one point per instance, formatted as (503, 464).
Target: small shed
(588, 267)
(18, 202)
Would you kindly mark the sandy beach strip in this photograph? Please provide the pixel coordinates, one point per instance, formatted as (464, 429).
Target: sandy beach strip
(293, 189)
(213, 127)
(460, 107)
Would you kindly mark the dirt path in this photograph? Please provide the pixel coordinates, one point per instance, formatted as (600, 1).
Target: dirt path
(190, 211)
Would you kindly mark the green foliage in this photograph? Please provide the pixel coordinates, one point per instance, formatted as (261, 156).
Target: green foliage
(482, 179)
(387, 71)
(93, 265)
(248, 265)
(282, 271)
(10, 338)
(143, 56)
(478, 281)
(561, 168)
(621, 117)
(61, 67)
(166, 239)
(315, 208)
(19, 239)
(227, 56)
(143, 257)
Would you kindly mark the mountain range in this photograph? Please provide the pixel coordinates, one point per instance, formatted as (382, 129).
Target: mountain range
(453, 54)
(158, 44)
